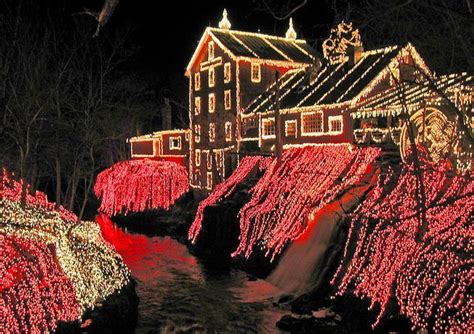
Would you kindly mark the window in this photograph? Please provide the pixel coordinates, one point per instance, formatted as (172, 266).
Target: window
(197, 157)
(212, 77)
(228, 131)
(197, 81)
(335, 124)
(175, 143)
(256, 72)
(312, 123)
(209, 160)
(212, 102)
(290, 128)
(210, 50)
(227, 73)
(227, 100)
(197, 105)
(268, 128)
(209, 180)
(197, 133)
(212, 132)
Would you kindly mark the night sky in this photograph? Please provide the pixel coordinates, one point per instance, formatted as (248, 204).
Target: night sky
(168, 34)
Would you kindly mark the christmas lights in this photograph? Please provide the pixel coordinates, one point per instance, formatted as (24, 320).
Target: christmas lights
(53, 266)
(226, 188)
(138, 185)
(432, 277)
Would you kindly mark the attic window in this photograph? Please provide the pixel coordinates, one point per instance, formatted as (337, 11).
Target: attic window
(312, 123)
(210, 51)
(256, 72)
(212, 77)
(228, 131)
(227, 73)
(175, 143)
(212, 132)
(212, 102)
(335, 124)
(197, 81)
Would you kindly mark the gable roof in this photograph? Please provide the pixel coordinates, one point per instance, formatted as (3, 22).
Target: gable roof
(257, 47)
(334, 84)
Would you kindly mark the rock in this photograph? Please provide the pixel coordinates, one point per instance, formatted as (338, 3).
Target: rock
(330, 313)
(338, 318)
(319, 314)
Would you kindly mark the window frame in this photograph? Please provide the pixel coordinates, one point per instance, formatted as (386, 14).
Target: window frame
(211, 50)
(211, 101)
(227, 73)
(256, 68)
(197, 161)
(228, 131)
(171, 144)
(209, 177)
(197, 133)
(293, 123)
(312, 133)
(336, 118)
(227, 99)
(211, 77)
(197, 105)
(197, 81)
(212, 132)
(264, 123)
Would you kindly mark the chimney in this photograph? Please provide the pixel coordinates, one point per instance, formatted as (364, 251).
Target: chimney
(166, 115)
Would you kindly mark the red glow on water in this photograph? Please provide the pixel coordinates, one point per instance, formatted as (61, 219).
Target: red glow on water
(141, 252)
(139, 185)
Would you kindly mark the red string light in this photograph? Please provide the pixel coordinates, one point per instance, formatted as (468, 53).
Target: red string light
(432, 278)
(138, 185)
(35, 292)
(306, 179)
(223, 190)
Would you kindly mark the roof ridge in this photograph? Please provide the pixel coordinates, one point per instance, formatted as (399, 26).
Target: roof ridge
(257, 34)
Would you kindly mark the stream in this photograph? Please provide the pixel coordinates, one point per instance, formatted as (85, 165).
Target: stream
(179, 294)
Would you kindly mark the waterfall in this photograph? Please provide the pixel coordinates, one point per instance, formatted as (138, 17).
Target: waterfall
(298, 267)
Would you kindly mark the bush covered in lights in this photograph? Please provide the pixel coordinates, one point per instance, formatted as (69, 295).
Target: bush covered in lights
(431, 278)
(139, 185)
(53, 266)
(305, 180)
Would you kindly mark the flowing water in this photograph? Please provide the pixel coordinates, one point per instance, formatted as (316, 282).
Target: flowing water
(178, 294)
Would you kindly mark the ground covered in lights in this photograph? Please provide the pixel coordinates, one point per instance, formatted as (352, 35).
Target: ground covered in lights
(53, 266)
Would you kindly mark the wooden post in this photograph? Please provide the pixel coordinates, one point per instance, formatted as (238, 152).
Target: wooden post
(278, 143)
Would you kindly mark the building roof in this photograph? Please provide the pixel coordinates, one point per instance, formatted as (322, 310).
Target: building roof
(413, 93)
(258, 47)
(332, 84)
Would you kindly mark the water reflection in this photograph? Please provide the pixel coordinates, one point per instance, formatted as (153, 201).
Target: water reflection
(178, 294)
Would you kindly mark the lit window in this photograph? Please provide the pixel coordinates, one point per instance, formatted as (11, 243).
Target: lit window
(212, 77)
(268, 128)
(212, 132)
(212, 103)
(227, 100)
(209, 160)
(175, 143)
(290, 128)
(335, 124)
(228, 131)
(197, 157)
(312, 122)
(227, 73)
(209, 180)
(197, 105)
(197, 133)
(210, 51)
(256, 73)
(197, 81)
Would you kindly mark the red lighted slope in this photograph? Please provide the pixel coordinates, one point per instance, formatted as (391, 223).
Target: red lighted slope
(432, 278)
(139, 185)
